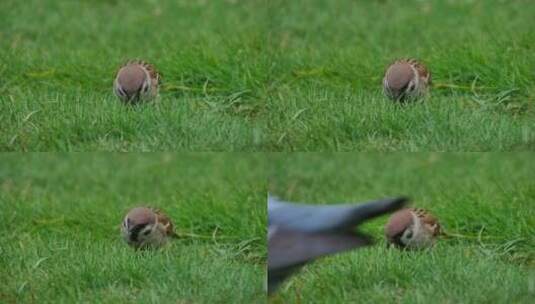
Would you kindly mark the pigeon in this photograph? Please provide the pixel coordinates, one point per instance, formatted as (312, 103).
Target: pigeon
(301, 233)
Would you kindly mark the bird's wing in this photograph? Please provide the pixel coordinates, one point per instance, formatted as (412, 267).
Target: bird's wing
(428, 219)
(315, 218)
(300, 233)
(165, 221)
(153, 73)
(289, 248)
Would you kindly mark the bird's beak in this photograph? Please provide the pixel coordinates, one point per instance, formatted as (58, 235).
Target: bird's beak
(398, 95)
(396, 241)
(129, 233)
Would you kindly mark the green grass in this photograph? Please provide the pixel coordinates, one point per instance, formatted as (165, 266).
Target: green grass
(485, 202)
(61, 213)
(266, 75)
(58, 60)
(330, 56)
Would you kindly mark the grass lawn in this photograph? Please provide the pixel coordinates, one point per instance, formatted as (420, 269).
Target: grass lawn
(60, 239)
(330, 56)
(485, 202)
(58, 60)
(266, 75)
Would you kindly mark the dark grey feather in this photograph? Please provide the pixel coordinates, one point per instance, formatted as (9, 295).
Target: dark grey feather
(300, 233)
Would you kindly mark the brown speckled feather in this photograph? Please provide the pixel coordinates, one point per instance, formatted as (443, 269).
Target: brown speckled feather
(153, 73)
(164, 220)
(423, 71)
(406, 79)
(428, 219)
(150, 68)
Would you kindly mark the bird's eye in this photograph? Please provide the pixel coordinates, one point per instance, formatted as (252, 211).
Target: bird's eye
(411, 87)
(408, 234)
(146, 232)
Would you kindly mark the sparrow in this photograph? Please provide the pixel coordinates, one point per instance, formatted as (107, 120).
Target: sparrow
(406, 79)
(145, 227)
(412, 228)
(136, 81)
(300, 233)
